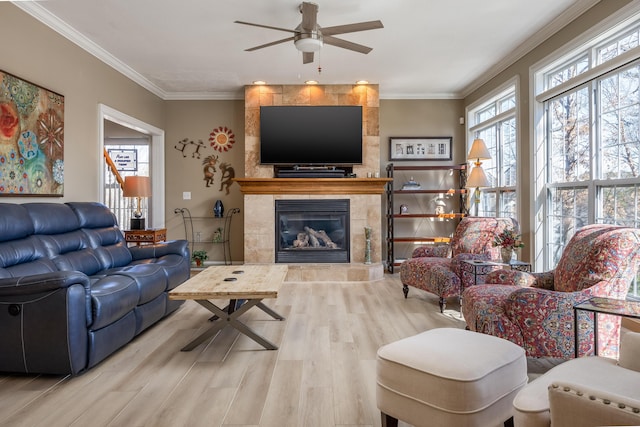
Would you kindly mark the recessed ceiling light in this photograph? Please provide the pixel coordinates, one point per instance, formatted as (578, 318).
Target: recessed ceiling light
(259, 82)
(362, 82)
(311, 82)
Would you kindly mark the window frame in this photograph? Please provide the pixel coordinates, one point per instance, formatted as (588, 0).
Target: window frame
(493, 197)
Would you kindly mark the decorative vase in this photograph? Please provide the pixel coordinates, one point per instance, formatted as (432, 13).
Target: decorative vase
(218, 209)
(506, 254)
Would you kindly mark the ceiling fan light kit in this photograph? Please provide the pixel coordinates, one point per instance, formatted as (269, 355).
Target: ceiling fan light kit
(308, 44)
(309, 37)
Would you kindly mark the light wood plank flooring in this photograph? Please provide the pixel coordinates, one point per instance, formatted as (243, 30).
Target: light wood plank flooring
(323, 374)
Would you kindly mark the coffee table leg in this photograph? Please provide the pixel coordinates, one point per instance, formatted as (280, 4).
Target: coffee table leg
(214, 329)
(269, 311)
(226, 317)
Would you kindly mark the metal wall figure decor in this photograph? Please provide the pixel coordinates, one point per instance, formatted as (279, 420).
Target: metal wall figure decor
(31, 139)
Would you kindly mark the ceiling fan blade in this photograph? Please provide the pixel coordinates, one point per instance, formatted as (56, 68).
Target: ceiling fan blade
(334, 41)
(351, 28)
(307, 57)
(309, 16)
(251, 49)
(265, 26)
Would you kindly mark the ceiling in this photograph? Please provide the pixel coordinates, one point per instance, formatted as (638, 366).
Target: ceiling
(192, 49)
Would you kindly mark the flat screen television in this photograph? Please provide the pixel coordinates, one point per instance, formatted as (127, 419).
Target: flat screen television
(311, 135)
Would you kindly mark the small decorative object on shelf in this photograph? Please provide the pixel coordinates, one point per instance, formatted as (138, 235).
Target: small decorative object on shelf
(411, 185)
(367, 245)
(218, 209)
(218, 235)
(199, 257)
(508, 241)
(404, 209)
(440, 205)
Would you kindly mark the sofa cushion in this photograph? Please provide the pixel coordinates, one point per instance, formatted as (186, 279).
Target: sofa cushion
(630, 351)
(150, 279)
(24, 257)
(15, 222)
(51, 218)
(93, 215)
(112, 297)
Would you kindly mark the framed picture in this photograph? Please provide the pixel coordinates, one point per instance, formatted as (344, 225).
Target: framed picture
(125, 160)
(420, 148)
(31, 139)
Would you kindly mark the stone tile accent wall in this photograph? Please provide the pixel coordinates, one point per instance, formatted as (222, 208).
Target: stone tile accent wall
(366, 210)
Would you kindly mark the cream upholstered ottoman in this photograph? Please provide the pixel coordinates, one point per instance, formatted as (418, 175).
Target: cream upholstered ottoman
(449, 377)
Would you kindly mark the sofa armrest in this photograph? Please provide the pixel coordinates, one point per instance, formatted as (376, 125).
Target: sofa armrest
(38, 283)
(157, 250)
(44, 323)
(579, 405)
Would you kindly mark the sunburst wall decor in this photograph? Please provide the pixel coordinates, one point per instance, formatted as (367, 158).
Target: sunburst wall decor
(222, 138)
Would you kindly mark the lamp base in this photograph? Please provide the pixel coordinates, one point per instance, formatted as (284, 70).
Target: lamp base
(137, 224)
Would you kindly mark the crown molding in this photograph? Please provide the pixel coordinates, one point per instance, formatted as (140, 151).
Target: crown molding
(70, 33)
(565, 18)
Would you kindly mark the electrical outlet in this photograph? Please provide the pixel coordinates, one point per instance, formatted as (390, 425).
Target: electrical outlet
(186, 195)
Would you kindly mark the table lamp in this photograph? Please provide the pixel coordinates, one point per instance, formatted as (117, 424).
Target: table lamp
(138, 187)
(477, 178)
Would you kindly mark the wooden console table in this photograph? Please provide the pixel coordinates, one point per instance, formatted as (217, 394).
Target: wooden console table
(151, 235)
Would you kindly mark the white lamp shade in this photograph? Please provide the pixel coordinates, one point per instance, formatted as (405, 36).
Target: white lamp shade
(479, 150)
(477, 178)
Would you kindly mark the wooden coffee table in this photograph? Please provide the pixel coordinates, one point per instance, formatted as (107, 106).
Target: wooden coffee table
(244, 285)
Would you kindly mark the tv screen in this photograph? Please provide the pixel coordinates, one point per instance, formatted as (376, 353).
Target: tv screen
(311, 135)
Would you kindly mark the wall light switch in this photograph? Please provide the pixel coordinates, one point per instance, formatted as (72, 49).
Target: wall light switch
(186, 195)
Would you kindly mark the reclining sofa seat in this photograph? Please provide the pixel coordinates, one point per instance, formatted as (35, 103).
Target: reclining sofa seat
(71, 291)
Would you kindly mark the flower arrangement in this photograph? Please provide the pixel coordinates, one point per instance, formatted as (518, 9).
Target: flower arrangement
(508, 239)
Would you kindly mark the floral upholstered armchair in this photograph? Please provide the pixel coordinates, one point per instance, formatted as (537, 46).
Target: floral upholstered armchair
(436, 269)
(535, 310)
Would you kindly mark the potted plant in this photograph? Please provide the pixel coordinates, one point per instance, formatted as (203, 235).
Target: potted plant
(199, 257)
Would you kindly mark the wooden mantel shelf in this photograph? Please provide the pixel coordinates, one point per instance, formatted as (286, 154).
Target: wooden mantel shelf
(312, 185)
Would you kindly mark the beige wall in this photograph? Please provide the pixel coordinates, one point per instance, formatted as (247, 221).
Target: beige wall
(424, 117)
(195, 120)
(33, 52)
(520, 69)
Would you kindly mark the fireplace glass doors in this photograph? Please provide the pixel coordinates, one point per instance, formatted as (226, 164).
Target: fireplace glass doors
(312, 231)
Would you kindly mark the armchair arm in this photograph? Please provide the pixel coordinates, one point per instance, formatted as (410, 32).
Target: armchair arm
(511, 277)
(579, 405)
(521, 278)
(545, 319)
(438, 251)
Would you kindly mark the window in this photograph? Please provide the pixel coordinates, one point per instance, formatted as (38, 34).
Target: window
(494, 121)
(590, 110)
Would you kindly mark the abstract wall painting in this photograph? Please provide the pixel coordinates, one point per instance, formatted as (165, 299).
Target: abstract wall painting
(31, 139)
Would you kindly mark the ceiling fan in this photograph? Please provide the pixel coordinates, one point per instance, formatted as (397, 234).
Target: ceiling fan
(309, 37)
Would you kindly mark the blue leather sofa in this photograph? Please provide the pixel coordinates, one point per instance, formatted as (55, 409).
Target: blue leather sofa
(71, 291)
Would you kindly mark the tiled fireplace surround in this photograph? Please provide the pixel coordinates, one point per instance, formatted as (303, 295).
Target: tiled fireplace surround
(365, 195)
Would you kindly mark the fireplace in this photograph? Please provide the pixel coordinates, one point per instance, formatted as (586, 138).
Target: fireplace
(312, 231)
